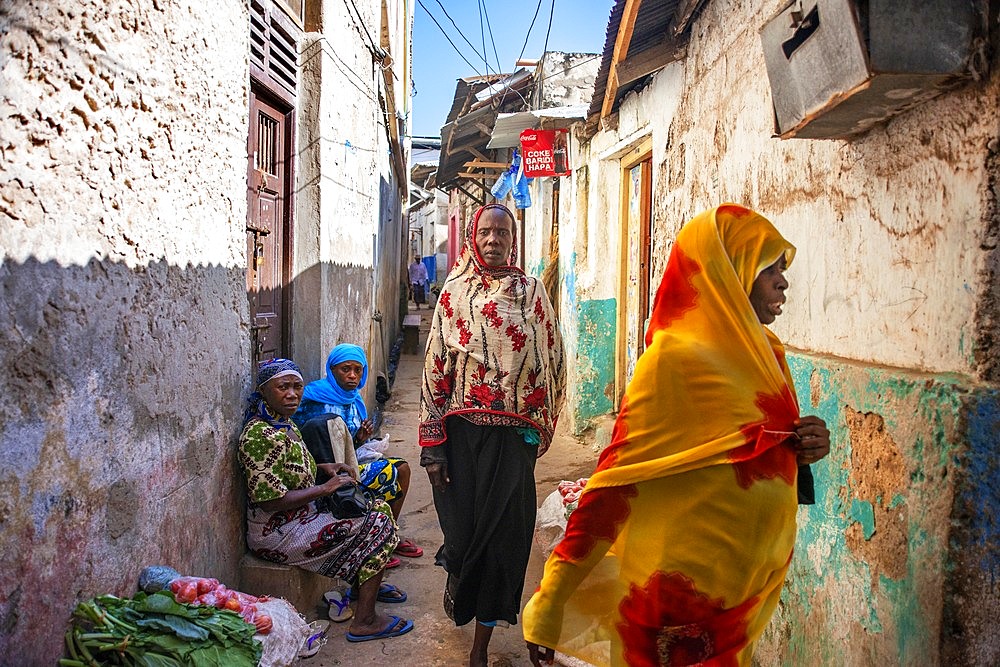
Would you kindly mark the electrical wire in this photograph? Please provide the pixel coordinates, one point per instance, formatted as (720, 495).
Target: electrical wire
(462, 35)
(492, 41)
(528, 36)
(552, 11)
(473, 67)
(482, 33)
(376, 51)
(521, 55)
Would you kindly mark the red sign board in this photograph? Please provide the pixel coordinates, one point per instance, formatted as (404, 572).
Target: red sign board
(545, 152)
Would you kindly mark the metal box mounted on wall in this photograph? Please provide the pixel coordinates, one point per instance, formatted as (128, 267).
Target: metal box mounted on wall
(837, 67)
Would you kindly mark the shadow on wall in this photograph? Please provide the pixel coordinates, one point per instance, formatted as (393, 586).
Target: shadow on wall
(332, 304)
(123, 400)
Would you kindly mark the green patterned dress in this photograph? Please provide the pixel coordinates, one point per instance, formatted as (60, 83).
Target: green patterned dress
(276, 461)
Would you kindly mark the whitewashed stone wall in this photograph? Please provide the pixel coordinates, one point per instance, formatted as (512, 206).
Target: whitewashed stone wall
(349, 227)
(123, 311)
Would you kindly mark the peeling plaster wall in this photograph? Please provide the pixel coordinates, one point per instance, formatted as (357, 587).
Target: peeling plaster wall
(889, 568)
(896, 275)
(123, 320)
(565, 79)
(905, 200)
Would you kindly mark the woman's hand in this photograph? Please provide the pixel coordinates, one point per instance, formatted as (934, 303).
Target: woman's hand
(337, 468)
(540, 655)
(335, 482)
(364, 432)
(814, 439)
(437, 473)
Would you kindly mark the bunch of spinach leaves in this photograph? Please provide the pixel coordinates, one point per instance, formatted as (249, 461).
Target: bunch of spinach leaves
(156, 631)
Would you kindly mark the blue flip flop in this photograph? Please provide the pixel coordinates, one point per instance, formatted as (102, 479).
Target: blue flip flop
(385, 592)
(384, 633)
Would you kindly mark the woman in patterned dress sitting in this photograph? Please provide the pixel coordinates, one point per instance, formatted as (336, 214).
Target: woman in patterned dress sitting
(283, 522)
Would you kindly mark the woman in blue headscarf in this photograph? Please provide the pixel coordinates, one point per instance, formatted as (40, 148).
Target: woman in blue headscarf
(284, 524)
(339, 395)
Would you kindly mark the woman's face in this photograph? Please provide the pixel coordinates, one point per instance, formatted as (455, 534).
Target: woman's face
(283, 394)
(348, 374)
(768, 293)
(494, 237)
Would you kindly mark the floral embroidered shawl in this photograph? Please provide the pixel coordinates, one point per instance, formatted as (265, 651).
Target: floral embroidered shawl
(494, 353)
(678, 550)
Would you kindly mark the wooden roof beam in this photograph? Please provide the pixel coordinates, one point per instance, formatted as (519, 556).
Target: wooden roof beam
(473, 174)
(470, 195)
(622, 41)
(682, 16)
(650, 60)
(487, 165)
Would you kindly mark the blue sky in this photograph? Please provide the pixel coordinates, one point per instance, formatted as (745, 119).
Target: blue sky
(577, 26)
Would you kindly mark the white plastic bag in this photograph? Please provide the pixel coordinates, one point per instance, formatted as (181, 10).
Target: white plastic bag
(288, 632)
(550, 523)
(373, 449)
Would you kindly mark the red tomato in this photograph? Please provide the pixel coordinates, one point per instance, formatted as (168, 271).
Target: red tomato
(207, 585)
(187, 594)
(263, 623)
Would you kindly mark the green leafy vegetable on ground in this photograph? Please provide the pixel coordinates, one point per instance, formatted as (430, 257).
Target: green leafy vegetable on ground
(155, 631)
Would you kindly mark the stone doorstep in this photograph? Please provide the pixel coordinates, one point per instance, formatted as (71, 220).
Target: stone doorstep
(303, 589)
(411, 334)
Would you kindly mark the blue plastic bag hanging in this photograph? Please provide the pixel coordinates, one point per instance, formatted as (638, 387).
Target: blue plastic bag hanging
(522, 193)
(505, 183)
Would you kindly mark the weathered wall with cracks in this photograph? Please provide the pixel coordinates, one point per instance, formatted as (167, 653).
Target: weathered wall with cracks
(892, 310)
(349, 230)
(123, 316)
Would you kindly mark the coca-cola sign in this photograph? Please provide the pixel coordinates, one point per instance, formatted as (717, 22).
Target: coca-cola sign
(545, 152)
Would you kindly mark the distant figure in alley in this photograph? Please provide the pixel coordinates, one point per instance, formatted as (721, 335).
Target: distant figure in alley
(491, 393)
(284, 522)
(418, 281)
(677, 552)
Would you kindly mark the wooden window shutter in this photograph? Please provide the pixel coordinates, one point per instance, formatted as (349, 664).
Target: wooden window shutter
(273, 47)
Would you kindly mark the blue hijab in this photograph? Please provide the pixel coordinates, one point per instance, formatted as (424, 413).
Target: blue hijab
(327, 390)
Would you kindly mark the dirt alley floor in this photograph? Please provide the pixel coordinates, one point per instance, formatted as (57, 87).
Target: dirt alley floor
(434, 639)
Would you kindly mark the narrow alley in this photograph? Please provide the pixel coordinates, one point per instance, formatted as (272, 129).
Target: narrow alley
(746, 254)
(435, 641)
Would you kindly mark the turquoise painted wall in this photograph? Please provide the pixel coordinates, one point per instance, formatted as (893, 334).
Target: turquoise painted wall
(868, 584)
(595, 360)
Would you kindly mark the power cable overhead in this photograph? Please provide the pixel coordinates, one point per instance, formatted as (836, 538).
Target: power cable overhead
(482, 33)
(552, 11)
(461, 55)
(462, 35)
(521, 55)
(492, 41)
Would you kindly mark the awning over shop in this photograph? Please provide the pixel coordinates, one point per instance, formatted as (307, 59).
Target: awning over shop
(508, 127)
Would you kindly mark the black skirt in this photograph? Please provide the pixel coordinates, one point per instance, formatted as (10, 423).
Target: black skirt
(418, 293)
(487, 515)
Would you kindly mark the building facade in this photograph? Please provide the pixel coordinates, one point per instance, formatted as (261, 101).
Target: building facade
(891, 322)
(184, 190)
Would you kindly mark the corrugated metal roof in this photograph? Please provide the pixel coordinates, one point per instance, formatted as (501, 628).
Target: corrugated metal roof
(508, 127)
(476, 115)
(653, 25)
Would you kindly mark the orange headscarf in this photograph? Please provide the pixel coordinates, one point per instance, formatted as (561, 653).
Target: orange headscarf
(689, 520)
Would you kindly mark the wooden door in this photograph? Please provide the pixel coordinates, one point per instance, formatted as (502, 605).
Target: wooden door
(634, 301)
(267, 228)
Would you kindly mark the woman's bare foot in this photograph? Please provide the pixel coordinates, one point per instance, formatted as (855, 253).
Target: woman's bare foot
(378, 624)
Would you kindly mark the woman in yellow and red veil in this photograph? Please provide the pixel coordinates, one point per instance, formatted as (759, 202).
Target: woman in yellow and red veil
(678, 550)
